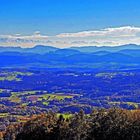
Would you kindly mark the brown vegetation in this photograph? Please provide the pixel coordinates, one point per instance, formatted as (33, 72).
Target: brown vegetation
(112, 124)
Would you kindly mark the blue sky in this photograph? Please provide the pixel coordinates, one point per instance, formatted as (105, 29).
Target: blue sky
(35, 20)
(58, 16)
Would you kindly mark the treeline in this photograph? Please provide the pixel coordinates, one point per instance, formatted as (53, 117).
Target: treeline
(112, 124)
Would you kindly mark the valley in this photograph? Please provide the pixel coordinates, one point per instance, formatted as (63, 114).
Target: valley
(24, 93)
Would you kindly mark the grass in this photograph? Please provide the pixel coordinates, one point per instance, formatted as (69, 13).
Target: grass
(24, 93)
(66, 116)
(45, 103)
(51, 97)
(13, 76)
(3, 115)
(9, 78)
(15, 99)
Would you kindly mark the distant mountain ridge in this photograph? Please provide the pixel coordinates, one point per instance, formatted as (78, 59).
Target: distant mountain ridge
(121, 57)
(90, 49)
(41, 49)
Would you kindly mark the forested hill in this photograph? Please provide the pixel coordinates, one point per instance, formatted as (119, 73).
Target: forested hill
(113, 124)
(120, 57)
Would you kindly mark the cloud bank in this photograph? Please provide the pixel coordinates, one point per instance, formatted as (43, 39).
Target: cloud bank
(108, 36)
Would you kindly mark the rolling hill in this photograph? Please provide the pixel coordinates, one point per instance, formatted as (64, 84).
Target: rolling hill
(50, 57)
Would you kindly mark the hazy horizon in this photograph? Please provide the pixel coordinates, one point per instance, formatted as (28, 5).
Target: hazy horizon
(69, 23)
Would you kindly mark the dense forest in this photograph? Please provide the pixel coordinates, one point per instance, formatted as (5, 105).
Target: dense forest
(102, 124)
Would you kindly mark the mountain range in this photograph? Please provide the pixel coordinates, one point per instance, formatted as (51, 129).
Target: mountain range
(40, 49)
(105, 57)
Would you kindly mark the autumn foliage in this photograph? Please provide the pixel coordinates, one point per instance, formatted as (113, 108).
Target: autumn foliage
(112, 124)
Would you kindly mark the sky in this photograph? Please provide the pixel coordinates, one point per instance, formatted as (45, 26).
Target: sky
(64, 23)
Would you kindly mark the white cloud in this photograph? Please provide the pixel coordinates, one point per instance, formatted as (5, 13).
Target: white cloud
(37, 33)
(22, 40)
(126, 31)
(107, 36)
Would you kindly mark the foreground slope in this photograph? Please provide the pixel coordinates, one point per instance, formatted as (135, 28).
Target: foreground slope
(113, 124)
